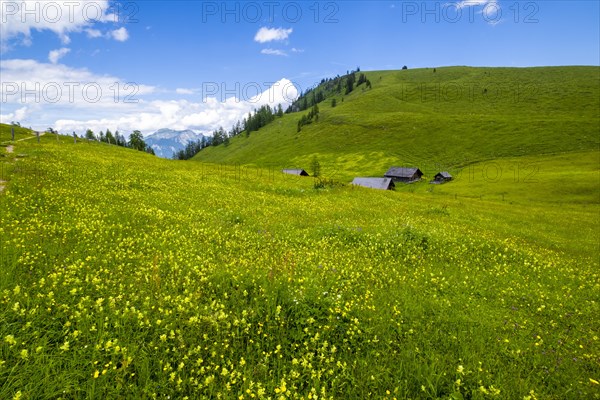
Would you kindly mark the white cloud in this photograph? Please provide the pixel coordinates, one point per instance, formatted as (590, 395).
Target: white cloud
(473, 3)
(295, 50)
(120, 34)
(185, 91)
(203, 117)
(280, 92)
(93, 33)
(490, 9)
(56, 55)
(55, 95)
(21, 18)
(32, 82)
(265, 35)
(16, 116)
(273, 52)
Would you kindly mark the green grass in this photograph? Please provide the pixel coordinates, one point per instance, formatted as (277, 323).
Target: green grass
(440, 120)
(128, 276)
(20, 133)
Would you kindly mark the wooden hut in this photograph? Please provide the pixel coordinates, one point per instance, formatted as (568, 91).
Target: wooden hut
(375, 183)
(442, 177)
(299, 172)
(404, 175)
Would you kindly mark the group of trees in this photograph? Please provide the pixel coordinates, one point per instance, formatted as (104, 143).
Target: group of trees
(255, 120)
(261, 117)
(107, 137)
(191, 149)
(220, 136)
(308, 119)
(340, 85)
(136, 139)
(363, 79)
(351, 81)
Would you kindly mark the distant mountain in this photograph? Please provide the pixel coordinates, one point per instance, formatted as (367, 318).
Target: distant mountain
(165, 142)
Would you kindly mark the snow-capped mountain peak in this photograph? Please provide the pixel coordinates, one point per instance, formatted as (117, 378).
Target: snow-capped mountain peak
(166, 142)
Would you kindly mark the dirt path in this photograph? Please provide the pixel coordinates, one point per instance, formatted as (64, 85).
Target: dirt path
(31, 137)
(10, 149)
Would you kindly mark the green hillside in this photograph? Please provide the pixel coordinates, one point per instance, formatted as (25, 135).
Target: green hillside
(123, 275)
(446, 119)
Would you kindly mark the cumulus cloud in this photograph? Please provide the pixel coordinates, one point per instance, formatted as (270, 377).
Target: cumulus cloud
(75, 99)
(56, 55)
(120, 34)
(185, 91)
(93, 33)
(32, 82)
(20, 18)
(265, 35)
(274, 52)
(18, 115)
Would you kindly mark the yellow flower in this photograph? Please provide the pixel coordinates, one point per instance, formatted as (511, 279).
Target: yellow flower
(10, 339)
(96, 374)
(593, 381)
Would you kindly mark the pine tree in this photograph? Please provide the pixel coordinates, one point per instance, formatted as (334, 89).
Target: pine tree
(315, 167)
(109, 137)
(136, 141)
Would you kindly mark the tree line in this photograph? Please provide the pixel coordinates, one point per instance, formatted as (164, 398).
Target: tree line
(308, 119)
(191, 149)
(255, 120)
(136, 139)
(328, 87)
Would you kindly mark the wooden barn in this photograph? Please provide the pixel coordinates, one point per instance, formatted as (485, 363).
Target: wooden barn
(299, 172)
(442, 177)
(404, 175)
(375, 183)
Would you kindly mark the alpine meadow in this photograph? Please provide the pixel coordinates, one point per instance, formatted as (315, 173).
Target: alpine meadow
(125, 275)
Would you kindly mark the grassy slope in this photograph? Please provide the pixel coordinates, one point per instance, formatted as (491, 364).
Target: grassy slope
(171, 278)
(440, 120)
(20, 133)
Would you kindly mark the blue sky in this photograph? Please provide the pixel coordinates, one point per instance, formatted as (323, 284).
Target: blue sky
(201, 64)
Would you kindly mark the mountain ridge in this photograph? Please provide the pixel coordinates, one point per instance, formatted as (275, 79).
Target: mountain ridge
(166, 142)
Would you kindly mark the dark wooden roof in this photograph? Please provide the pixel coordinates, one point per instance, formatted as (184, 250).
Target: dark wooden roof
(374, 183)
(299, 172)
(444, 174)
(402, 172)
